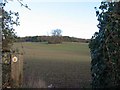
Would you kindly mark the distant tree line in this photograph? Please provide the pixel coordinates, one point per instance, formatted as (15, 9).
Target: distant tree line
(51, 39)
(55, 38)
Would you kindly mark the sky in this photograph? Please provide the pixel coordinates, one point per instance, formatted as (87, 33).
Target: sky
(76, 18)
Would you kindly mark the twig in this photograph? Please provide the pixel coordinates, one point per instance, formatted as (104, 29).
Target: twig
(23, 4)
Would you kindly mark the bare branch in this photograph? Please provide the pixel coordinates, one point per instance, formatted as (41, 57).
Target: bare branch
(25, 5)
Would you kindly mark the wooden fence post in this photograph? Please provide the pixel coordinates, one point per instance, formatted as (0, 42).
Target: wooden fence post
(17, 70)
(0, 69)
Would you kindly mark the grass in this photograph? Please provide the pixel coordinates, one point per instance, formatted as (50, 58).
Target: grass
(65, 65)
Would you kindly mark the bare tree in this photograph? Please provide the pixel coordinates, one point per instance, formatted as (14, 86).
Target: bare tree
(56, 37)
(57, 32)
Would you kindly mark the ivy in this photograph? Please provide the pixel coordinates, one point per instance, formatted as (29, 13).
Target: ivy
(105, 47)
(8, 20)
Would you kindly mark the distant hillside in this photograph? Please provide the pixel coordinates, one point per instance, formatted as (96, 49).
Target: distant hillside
(51, 38)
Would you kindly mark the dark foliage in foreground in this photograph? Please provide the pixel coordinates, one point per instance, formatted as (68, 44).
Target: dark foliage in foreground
(105, 47)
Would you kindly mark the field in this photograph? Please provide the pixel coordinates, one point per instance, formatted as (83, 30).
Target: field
(65, 65)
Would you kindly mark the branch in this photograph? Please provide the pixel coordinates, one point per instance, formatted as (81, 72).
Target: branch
(25, 5)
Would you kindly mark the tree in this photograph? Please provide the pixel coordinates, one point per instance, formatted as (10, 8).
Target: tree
(7, 20)
(56, 32)
(56, 37)
(8, 34)
(105, 47)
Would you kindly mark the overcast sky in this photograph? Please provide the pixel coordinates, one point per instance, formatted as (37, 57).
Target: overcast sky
(75, 18)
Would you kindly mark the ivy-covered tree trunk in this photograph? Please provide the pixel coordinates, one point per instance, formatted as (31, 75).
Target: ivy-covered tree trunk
(8, 19)
(105, 47)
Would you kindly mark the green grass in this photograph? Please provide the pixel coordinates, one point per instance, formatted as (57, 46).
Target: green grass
(65, 65)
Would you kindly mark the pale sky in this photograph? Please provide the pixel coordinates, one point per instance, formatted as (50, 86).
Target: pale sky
(75, 18)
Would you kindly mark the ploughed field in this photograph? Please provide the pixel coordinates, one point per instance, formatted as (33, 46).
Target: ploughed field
(65, 65)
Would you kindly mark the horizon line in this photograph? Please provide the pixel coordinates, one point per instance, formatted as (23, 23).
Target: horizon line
(49, 35)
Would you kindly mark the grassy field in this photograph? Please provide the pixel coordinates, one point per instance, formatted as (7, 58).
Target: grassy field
(65, 65)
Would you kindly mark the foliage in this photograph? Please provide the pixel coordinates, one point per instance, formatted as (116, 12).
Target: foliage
(8, 35)
(46, 39)
(6, 81)
(8, 19)
(105, 47)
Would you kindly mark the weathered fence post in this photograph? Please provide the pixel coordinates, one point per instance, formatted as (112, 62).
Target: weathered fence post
(17, 69)
(0, 68)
